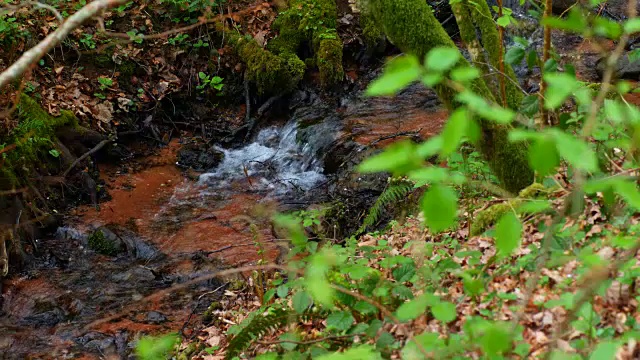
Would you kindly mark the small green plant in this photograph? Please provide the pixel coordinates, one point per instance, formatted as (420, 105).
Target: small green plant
(156, 348)
(105, 82)
(178, 39)
(88, 41)
(210, 82)
(200, 44)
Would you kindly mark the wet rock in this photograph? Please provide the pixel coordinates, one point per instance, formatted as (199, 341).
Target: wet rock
(624, 69)
(106, 242)
(199, 157)
(154, 317)
(47, 318)
(98, 342)
(135, 275)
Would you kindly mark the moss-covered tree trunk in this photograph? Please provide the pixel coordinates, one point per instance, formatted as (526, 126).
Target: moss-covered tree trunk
(411, 26)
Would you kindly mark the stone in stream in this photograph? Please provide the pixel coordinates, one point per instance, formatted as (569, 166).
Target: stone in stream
(624, 69)
(154, 317)
(199, 157)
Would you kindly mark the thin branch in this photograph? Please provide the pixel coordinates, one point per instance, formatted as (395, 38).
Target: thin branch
(86, 155)
(34, 54)
(308, 342)
(37, 5)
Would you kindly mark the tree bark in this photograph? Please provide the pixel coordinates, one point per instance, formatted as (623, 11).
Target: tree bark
(412, 27)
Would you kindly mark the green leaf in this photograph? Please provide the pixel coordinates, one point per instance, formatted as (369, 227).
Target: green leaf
(543, 156)
(361, 352)
(503, 20)
(530, 105)
(292, 338)
(432, 79)
(634, 55)
(496, 339)
(153, 348)
(632, 26)
(439, 205)
(340, 320)
(412, 309)
(508, 233)
(395, 157)
(315, 278)
(454, 131)
(574, 22)
(575, 151)
(444, 311)
(514, 55)
(365, 308)
(398, 74)
(560, 87)
(605, 350)
(480, 106)
(442, 58)
(404, 272)
(429, 175)
(202, 75)
(629, 192)
(301, 302)
(464, 74)
(532, 59)
(606, 28)
(534, 207)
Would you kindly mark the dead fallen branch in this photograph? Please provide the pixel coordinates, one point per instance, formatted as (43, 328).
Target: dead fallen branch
(34, 54)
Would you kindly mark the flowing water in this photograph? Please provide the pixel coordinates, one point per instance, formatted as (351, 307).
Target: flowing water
(175, 229)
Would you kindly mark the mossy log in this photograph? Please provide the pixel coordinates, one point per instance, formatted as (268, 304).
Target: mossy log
(412, 27)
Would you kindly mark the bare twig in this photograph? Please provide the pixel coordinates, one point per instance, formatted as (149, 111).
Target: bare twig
(86, 155)
(34, 54)
(35, 4)
(309, 342)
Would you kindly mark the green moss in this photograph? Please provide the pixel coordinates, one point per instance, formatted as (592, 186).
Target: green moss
(370, 32)
(489, 216)
(313, 21)
(329, 61)
(411, 26)
(103, 60)
(127, 68)
(271, 73)
(99, 243)
(33, 137)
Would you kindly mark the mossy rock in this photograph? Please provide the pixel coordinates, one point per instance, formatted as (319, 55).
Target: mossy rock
(34, 137)
(105, 242)
(329, 61)
(271, 73)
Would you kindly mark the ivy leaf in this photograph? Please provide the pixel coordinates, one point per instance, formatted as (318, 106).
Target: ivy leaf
(508, 233)
(514, 55)
(340, 320)
(454, 131)
(575, 151)
(439, 205)
(444, 311)
(543, 156)
(412, 309)
(365, 308)
(442, 58)
(398, 74)
(496, 340)
(301, 302)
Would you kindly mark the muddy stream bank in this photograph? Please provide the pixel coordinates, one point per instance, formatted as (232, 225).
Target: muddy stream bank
(166, 224)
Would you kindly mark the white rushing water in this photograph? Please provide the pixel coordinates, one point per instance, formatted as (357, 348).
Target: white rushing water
(275, 158)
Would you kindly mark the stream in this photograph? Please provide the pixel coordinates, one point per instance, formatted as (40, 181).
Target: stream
(170, 228)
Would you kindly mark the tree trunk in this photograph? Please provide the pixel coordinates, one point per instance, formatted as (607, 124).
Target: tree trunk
(412, 27)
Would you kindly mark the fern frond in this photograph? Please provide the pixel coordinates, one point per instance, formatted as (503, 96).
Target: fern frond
(262, 323)
(393, 193)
